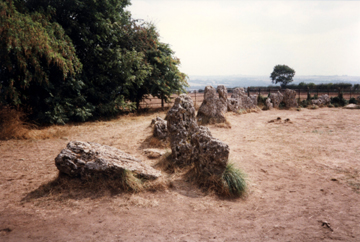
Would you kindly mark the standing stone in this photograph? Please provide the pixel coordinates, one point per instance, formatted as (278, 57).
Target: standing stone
(87, 159)
(233, 104)
(181, 125)
(268, 103)
(322, 100)
(191, 143)
(290, 98)
(244, 102)
(276, 99)
(325, 99)
(213, 108)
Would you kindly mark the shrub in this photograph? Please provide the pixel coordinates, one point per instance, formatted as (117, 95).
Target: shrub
(353, 100)
(338, 101)
(262, 100)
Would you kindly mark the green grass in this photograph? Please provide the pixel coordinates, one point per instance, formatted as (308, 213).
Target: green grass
(234, 181)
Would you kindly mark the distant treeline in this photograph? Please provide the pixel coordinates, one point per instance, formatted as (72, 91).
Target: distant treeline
(301, 86)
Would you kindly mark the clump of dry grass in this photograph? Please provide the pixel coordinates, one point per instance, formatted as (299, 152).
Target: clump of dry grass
(13, 126)
(226, 125)
(231, 183)
(252, 110)
(167, 164)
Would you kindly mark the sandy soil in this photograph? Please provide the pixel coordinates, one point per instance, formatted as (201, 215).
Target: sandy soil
(303, 180)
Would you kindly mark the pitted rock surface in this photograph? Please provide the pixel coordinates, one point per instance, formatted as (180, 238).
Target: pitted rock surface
(290, 98)
(160, 128)
(181, 124)
(276, 99)
(87, 159)
(191, 143)
(211, 155)
(233, 104)
(213, 108)
(325, 99)
(268, 103)
(244, 102)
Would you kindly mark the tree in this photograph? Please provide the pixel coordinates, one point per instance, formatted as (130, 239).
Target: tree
(282, 74)
(72, 60)
(36, 56)
(119, 59)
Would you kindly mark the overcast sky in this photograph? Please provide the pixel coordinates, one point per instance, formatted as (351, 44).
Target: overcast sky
(233, 37)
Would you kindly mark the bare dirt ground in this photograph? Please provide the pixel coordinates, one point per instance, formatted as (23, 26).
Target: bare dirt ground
(303, 185)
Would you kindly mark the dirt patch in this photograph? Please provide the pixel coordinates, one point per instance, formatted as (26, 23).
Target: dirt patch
(303, 182)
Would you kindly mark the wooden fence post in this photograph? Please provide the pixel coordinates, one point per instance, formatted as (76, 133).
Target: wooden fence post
(195, 99)
(248, 91)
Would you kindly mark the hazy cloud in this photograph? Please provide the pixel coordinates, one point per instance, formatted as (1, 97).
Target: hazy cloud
(251, 37)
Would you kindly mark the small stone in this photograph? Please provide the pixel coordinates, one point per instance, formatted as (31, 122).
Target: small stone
(160, 128)
(154, 153)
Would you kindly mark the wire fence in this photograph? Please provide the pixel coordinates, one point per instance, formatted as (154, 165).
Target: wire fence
(198, 97)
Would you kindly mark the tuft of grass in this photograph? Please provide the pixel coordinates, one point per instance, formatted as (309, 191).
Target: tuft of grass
(167, 164)
(12, 125)
(230, 184)
(226, 125)
(233, 182)
(314, 107)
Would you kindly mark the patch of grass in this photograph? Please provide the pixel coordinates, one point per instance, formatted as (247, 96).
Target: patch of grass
(167, 164)
(234, 181)
(226, 125)
(230, 184)
(64, 187)
(12, 125)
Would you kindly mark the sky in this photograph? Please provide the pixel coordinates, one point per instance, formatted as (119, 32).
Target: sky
(243, 37)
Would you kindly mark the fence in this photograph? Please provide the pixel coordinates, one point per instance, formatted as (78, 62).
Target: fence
(198, 97)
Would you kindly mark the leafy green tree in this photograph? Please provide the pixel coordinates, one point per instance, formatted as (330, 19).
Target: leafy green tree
(36, 59)
(282, 74)
(164, 78)
(123, 61)
(71, 60)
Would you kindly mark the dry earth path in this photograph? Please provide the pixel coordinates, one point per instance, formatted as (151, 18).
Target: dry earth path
(303, 179)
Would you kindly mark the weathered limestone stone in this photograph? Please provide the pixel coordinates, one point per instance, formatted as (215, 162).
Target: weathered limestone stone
(191, 143)
(276, 99)
(268, 103)
(181, 124)
(153, 153)
(290, 98)
(160, 128)
(213, 108)
(244, 102)
(87, 159)
(254, 99)
(233, 104)
(322, 100)
(325, 99)
(210, 155)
